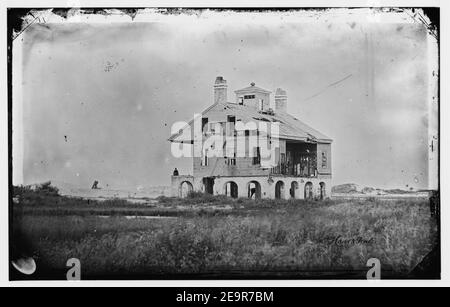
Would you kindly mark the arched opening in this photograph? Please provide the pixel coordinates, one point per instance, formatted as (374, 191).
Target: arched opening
(279, 190)
(254, 190)
(294, 189)
(231, 189)
(322, 190)
(309, 190)
(185, 188)
(208, 184)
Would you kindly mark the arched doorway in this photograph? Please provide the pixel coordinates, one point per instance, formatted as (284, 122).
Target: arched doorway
(279, 190)
(309, 194)
(231, 189)
(208, 184)
(294, 189)
(254, 190)
(185, 188)
(322, 190)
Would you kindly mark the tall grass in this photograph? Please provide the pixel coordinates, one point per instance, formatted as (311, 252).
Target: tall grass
(253, 236)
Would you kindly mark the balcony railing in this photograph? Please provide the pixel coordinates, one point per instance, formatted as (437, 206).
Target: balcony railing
(296, 170)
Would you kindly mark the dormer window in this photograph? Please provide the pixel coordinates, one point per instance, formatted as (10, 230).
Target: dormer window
(253, 97)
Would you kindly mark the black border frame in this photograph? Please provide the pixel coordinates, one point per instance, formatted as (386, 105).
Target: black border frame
(14, 16)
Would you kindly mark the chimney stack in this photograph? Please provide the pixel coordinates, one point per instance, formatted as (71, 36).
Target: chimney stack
(220, 90)
(280, 100)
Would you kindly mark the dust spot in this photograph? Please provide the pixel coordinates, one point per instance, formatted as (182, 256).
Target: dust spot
(109, 66)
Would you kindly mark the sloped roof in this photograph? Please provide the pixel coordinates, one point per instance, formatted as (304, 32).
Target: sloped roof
(291, 128)
(253, 88)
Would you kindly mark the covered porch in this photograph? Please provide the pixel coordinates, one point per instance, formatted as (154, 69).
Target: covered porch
(298, 159)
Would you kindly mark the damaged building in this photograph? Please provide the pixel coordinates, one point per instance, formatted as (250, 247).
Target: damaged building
(299, 164)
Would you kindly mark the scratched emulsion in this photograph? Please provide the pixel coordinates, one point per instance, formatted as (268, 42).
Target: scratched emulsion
(99, 98)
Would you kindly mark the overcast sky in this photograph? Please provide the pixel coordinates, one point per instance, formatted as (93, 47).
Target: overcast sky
(99, 99)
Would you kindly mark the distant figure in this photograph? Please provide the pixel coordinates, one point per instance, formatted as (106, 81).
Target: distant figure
(95, 185)
(175, 172)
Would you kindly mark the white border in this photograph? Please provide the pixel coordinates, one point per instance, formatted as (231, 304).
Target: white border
(444, 140)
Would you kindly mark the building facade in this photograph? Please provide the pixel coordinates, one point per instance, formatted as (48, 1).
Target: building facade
(252, 148)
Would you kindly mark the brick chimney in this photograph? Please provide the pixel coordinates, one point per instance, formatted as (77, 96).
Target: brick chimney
(280, 100)
(220, 90)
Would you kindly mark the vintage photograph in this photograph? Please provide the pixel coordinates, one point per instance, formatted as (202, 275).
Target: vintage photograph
(216, 143)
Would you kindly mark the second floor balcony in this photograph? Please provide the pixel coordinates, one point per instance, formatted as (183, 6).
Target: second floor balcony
(289, 170)
(302, 166)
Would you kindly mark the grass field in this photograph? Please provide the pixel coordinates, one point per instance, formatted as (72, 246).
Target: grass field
(216, 236)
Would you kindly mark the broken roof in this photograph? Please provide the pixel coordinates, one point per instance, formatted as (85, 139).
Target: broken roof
(290, 127)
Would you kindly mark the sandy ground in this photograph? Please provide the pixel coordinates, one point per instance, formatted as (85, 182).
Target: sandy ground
(133, 195)
(383, 196)
(149, 194)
